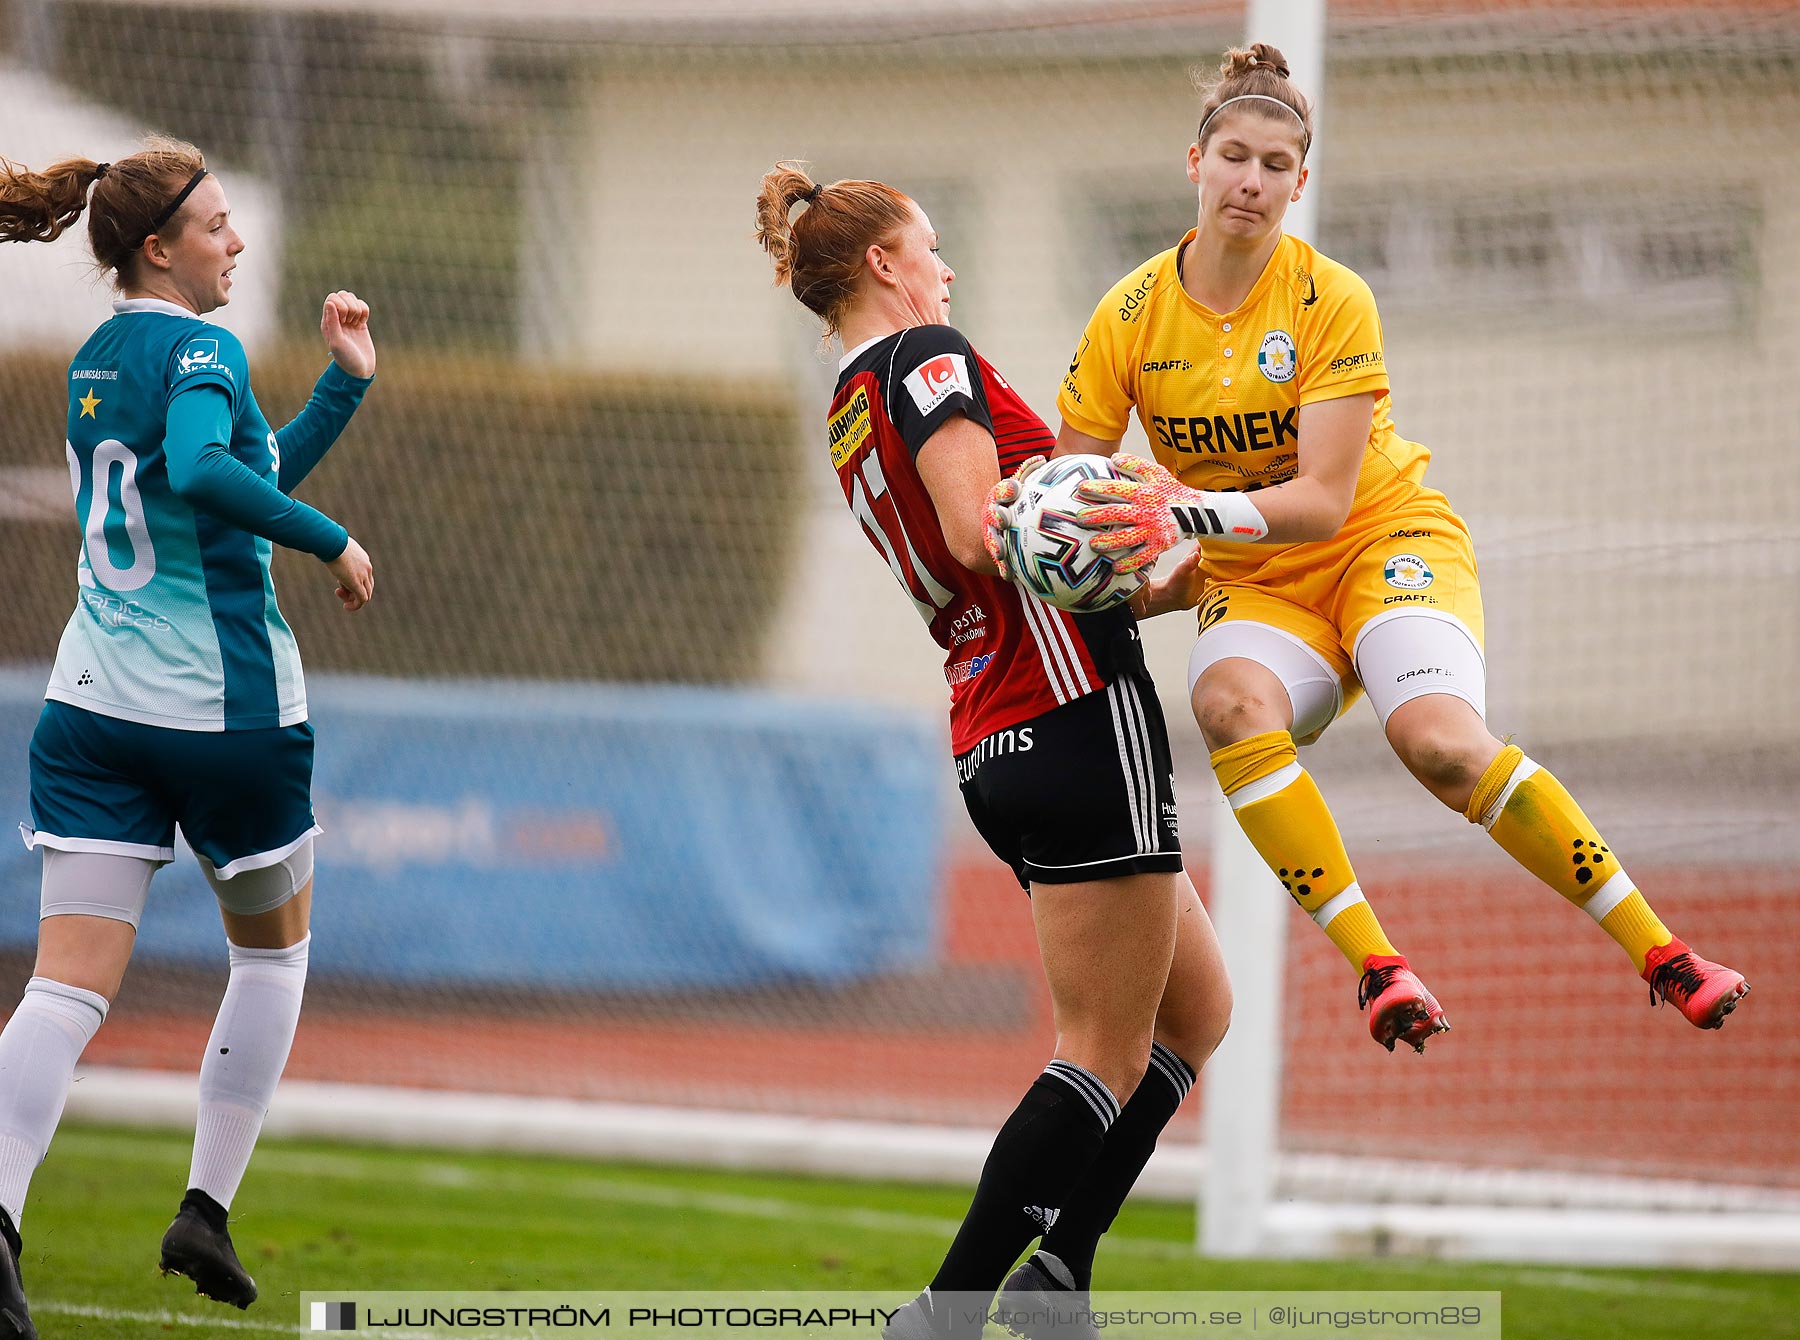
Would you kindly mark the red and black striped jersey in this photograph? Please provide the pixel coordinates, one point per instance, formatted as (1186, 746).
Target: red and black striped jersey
(1009, 656)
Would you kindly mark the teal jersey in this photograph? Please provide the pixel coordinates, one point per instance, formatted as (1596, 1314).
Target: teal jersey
(176, 623)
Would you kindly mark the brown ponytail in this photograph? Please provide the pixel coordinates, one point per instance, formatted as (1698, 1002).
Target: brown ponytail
(39, 206)
(820, 254)
(1260, 72)
(122, 200)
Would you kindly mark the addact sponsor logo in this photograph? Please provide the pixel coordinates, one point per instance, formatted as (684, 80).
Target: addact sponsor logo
(1352, 362)
(937, 379)
(1277, 359)
(1131, 305)
(1409, 572)
(849, 428)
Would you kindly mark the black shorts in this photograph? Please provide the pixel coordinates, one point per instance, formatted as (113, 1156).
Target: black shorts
(1085, 791)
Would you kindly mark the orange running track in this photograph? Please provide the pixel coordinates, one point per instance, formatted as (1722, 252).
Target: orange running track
(1555, 1059)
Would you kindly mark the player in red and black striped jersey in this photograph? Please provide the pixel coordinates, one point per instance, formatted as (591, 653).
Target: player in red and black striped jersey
(1060, 747)
(1008, 657)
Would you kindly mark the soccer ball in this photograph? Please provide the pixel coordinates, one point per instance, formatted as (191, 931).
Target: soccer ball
(1048, 550)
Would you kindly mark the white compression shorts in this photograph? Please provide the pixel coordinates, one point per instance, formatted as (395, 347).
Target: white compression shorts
(1408, 653)
(1399, 655)
(96, 884)
(1312, 685)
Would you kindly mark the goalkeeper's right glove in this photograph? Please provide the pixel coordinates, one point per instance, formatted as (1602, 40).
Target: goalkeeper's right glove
(996, 513)
(1150, 511)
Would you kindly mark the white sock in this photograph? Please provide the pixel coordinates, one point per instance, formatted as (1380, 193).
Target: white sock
(244, 1059)
(38, 1050)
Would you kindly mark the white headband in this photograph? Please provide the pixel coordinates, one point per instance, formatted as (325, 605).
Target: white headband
(1253, 97)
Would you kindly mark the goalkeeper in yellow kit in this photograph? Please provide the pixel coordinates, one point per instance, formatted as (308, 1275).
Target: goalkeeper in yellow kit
(1256, 367)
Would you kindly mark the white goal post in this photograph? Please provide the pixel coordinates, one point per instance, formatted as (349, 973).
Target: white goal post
(1256, 1202)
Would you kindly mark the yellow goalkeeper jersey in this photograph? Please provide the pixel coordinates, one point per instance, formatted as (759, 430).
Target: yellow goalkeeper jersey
(1219, 394)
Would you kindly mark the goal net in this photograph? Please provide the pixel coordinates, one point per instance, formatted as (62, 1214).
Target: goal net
(634, 780)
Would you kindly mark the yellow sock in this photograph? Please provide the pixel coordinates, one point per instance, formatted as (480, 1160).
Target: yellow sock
(1279, 807)
(1539, 825)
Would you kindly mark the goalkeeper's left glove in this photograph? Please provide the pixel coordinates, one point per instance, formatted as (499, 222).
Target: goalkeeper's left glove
(1150, 511)
(996, 513)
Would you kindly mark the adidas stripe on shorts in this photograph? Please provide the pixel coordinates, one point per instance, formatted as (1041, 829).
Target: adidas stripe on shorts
(1085, 791)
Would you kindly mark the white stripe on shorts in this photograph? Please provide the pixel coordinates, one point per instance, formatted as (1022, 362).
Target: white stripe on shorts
(1060, 622)
(1061, 683)
(1146, 761)
(1128, 769)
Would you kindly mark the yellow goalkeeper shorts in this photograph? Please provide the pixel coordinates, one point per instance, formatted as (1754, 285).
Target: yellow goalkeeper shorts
(1324, 594)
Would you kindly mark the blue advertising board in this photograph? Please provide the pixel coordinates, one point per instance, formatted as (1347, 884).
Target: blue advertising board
(584, 837)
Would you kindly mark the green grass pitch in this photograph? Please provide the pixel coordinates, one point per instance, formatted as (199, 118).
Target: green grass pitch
(318, 1217)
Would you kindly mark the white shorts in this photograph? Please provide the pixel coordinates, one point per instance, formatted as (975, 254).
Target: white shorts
(1399, 655)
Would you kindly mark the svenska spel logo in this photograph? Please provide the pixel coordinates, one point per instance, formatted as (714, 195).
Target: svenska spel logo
(1277, 360)
(1409, 572)
(197, 354)
(334, 1316)
(937, 379)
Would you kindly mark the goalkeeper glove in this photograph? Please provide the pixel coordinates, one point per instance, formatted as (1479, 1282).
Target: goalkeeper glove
(996, 513)
(1150, 511)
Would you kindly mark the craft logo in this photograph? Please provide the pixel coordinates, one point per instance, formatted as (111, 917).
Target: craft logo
(199, 354)
(334, 1316)
(1409, 572)
(937, 379)
(850, 428)
(1276, 359)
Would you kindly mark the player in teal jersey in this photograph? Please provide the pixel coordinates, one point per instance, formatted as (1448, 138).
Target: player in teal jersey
(177, 695)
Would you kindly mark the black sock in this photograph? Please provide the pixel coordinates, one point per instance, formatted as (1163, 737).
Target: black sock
(1039, 1156)
(211, 1213)
(1094, 1204)
(10, 1233)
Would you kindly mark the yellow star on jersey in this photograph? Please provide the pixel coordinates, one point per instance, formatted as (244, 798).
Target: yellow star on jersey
(89, 403)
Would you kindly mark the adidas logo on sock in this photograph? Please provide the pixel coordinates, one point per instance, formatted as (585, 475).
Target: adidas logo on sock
(1045, 1219)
